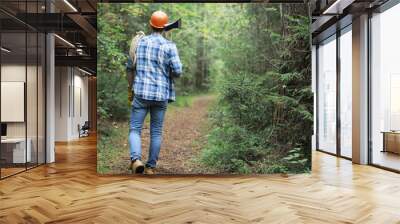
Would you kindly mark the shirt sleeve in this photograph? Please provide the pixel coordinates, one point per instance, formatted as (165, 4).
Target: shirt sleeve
(175, 61)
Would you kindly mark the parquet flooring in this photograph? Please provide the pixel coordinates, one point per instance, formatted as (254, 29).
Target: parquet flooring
(70, 191)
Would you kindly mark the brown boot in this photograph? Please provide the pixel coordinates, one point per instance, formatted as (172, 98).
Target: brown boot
(149, 171)
(137, 166)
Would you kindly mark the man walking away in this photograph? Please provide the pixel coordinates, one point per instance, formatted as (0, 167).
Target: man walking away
(157, 63)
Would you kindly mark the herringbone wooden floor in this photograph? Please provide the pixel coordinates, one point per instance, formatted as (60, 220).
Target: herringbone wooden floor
(70, 191)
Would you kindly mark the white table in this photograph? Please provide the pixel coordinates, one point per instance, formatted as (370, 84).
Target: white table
(19, 155)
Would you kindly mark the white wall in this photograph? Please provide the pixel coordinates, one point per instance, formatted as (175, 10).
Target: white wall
(33, 126)
(11, 73)
(13, 100)
(71, 102)
(17, 73)
(62, 81)
(80, 109)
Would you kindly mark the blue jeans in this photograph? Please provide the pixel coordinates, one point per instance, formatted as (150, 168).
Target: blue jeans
(140, 108)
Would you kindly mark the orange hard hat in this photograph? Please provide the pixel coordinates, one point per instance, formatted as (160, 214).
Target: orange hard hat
(158, 19)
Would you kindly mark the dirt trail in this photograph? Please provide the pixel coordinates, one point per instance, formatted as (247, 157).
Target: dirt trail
(182, 139)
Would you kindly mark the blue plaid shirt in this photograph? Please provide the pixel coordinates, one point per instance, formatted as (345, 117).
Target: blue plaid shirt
(157, 63)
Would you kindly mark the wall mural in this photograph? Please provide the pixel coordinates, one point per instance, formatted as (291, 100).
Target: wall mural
(205, 89)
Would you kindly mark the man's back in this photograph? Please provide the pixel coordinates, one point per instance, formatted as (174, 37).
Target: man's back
(157, 61)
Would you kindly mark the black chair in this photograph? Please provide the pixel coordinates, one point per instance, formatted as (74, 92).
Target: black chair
(84, 130)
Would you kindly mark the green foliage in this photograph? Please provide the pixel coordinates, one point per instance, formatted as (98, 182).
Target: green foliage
(111, 84)
(263, 122)
(295, 160)
(110, 145)
(183, 101)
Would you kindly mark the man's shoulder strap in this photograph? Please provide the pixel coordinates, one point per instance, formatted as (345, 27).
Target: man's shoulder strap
(134, 43)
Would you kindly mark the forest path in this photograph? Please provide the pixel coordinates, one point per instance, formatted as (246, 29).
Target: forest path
(183, 138)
